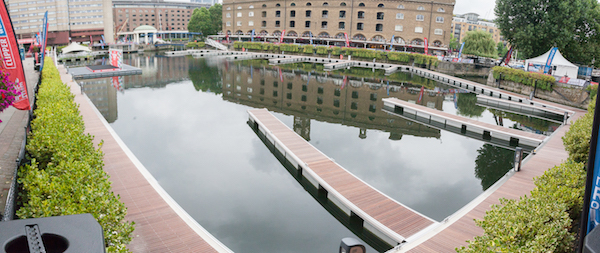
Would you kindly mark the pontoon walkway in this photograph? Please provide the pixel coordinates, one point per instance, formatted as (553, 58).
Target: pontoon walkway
(392, 221)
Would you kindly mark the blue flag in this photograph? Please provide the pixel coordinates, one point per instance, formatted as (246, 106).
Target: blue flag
(311, 41)
(550, 58)
(461, 48)
(44, 37)
(252, 38)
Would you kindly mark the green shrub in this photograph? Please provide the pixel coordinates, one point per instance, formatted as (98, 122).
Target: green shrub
(543, 81)
(308, 49)
(65, 175)
(321, 50)
(577, 139)
(540, 223)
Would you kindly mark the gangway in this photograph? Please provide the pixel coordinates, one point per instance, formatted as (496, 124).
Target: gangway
(215, 44)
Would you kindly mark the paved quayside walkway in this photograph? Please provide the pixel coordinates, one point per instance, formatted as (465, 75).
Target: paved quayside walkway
(380, 213)
(161, 224)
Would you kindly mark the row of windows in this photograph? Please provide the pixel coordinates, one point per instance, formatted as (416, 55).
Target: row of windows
(84, 11)
(141, 19)
(341, 26)
(342, 14)
(30, 2)
(400, 6)
(86, 17)
(151, 11)
(35, 26)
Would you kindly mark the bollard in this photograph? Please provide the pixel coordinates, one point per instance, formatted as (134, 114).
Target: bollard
(518, 159)
(566, 118)
(351, 245)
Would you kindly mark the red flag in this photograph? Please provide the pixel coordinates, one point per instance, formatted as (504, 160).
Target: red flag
(347, 40)
(281, 38)
(426, 46)
(11, 61)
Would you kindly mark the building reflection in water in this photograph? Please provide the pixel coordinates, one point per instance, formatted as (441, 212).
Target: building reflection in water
(334, 99)
(103, 95)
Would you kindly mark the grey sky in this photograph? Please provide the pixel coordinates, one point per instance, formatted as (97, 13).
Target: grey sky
(485, 8)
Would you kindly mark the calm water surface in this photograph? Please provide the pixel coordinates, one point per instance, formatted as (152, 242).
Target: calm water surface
(185, 120)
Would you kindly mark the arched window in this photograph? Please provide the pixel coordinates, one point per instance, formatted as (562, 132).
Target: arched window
(325, 4)
(292, 4)
(441, 10)
(380, 6)
(308, 4)
(251, 7)
(400, 6)
(278, 5)
(264, 6)
(239, 7)
(361, 5)
(420, 8)
(342, 4)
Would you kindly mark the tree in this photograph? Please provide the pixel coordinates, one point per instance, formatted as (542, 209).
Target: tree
(467, 104)
(492, 163)
(502, 50)
(479, 43)
(454, 45)
(535, 26)
(206, 21)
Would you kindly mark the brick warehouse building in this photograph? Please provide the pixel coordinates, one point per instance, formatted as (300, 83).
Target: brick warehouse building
(164, 16)
(68, 20)
(409, 22)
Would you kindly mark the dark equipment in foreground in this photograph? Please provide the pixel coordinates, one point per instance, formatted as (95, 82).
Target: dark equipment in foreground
(72, 233)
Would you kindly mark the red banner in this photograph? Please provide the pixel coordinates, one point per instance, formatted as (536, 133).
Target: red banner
(11, 61)
(281, 38)
(347, 40)
(426, 46)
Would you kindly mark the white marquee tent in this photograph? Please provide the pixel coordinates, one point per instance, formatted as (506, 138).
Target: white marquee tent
(562, 65)
(75, 48)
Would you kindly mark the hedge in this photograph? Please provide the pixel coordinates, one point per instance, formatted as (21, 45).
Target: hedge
(543, 81)
(539, 223)
(361, 53)
(577, 139)
(65, 175)
(195, 44)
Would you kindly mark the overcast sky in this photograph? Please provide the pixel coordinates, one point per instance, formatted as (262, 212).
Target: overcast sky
(485, 8)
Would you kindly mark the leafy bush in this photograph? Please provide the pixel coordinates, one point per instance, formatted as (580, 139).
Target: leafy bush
(540, 223)
(199, 44)
(65, 175)
(543, 81)
(321, 50)
(577, 139)
(308, 49)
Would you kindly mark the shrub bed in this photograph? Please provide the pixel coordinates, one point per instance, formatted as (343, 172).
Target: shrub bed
(539, 223)
(365, 54)
(199, 44)
(65, 175)
(543, 81)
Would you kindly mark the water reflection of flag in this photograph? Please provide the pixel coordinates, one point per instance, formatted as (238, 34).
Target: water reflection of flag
(251, 72)
(455, 101)
(388, 88)
(421, 94)
(344, 82)
(308, 79)
(280, 75)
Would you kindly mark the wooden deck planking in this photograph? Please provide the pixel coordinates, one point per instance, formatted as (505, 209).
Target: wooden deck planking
(521, 183)
(158, 228)
(400, 219)
(483, 125)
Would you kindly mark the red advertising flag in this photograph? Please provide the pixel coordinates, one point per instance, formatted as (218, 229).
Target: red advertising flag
(347, 40)
(11, 61)
(426, 46)
(281, 38)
